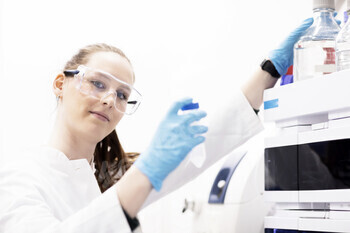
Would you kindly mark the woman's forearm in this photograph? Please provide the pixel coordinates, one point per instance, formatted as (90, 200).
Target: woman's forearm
(254, 88)
(132, 190)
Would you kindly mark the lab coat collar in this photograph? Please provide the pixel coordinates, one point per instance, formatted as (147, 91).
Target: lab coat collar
(52, 154)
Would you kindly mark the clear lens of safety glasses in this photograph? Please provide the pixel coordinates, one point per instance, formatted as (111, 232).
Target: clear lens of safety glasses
(104, 86)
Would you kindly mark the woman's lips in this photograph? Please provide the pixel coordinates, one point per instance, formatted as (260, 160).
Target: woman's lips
(100, 115)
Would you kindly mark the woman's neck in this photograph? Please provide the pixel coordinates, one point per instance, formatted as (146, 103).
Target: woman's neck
(73, 146)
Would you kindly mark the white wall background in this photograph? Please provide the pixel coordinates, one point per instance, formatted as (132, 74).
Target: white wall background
(177, 47)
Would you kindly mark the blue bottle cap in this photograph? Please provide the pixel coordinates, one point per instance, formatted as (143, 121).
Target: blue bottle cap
(190, 106)
(346, 17)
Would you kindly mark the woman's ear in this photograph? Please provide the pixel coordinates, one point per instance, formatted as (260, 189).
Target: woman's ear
(58, 85)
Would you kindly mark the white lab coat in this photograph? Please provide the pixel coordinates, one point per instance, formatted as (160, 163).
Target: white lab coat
(44, 191)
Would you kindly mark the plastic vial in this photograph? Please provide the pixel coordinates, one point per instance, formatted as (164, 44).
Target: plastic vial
(342, 46)
(314, 53)
(197, 155)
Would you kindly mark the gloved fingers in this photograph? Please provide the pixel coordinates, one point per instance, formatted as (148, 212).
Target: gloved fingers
(194, 116)
(178, 105)
(337, 20)
(198, 140)
(198, 129)
(282, 57)
(298, 32)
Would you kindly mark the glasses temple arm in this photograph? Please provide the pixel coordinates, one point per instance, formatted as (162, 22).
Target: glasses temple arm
(70, 72)
(132, 102)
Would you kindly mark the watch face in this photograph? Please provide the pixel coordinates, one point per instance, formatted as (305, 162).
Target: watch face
(263, 63)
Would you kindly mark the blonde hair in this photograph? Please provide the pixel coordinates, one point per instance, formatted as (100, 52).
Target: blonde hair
(84, 54)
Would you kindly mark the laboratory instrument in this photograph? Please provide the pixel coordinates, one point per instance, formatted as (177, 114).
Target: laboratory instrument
(234, 201)
(307, 158)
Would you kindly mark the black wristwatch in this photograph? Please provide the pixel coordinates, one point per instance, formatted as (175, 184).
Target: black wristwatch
(133, 222)
(269, 68)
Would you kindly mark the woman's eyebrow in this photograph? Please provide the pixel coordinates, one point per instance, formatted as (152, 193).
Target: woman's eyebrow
(111, 78)
(125, 87)
(106, 76)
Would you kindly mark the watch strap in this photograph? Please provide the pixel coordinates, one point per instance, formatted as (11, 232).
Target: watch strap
(269, 67)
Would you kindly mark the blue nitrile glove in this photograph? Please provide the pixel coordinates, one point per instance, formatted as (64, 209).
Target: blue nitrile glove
(173, 140)
(282, 57)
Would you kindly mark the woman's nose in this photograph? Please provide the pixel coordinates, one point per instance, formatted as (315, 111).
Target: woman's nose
(108, 99)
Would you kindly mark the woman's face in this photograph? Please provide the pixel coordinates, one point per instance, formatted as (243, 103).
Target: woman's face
(87, 117)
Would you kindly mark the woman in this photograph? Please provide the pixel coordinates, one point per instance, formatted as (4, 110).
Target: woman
(54, 188)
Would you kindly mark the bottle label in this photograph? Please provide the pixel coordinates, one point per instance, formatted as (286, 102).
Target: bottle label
(314, 58)
(325, 69)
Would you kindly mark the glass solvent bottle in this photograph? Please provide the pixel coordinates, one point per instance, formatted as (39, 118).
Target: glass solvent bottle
(342, 45)
(314, 53)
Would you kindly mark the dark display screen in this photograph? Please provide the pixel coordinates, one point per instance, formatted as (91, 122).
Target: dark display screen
(313, 166)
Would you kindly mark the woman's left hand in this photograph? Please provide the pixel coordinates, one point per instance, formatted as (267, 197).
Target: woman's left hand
(173, 140)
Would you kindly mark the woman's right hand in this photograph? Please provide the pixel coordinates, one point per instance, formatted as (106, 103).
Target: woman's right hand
(173, 140)
(282, 57)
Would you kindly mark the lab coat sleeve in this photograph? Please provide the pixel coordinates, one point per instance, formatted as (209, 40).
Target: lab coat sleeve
(232, 121)
(23, 209)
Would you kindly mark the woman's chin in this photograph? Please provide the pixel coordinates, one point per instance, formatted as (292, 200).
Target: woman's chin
(96, 133)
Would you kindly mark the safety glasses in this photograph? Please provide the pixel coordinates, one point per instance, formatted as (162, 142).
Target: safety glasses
(101, 85)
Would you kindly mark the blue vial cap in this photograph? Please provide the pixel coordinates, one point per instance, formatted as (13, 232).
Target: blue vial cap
(190, 106)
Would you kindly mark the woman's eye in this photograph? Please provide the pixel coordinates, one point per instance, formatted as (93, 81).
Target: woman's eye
(122, 95)
(98, 84)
